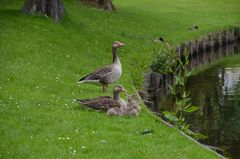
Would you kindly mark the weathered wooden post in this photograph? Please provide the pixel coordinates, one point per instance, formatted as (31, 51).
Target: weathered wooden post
(178, 51)
(182, 49)
(153, 90)
(193, 52)
(189, 50)
(220, 44)
(215, 41)
(237, 34)
(200, 46)
(208, 43)
(200, 51)
(188, 47)
(204, 44)
(231, 38)
(220, 38)
(211, 41)
(224, 37)
(193, 47)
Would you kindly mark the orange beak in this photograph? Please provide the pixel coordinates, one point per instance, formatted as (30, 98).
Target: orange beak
(121, 44)
(124, 90)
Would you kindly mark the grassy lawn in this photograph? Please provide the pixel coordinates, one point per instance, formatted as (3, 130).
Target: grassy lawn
(41, 62)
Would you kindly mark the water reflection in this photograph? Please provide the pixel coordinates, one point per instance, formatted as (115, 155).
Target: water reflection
(231, 78)
(217, 93)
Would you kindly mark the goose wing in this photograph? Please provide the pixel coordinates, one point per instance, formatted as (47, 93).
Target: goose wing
(99, 75)
(100, 103)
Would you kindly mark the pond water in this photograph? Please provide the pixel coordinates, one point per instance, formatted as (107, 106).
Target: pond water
(216, 91)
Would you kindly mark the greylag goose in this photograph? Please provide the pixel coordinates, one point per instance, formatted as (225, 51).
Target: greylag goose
(108, 74)
(106, 102)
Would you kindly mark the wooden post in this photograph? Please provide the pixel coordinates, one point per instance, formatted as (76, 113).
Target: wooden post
(215, 41)
(153, 90)
(178, 51)
(196, 46)
(183, 47)
(220, 38)
(231, 39)
(237, 34)
(188, 47)
(205, 43)
(211, 41)
(201, 52)
(200, 46)
(208, 43)
(224, 37)
(193, 47)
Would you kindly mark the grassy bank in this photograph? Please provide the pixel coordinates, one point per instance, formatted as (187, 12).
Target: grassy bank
(41, 61)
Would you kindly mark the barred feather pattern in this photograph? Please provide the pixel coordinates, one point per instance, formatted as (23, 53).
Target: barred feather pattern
(101, 103)
(103, 75)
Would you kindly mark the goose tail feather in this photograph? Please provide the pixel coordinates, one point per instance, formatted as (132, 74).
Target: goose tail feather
(82, 101)
(91, 78)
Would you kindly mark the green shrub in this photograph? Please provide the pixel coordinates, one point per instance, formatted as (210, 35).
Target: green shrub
(164, 58)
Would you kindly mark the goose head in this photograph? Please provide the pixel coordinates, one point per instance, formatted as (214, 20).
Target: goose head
(133, 102)
(118, 89)
(117, 44)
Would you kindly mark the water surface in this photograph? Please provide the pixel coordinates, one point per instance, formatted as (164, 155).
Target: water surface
(216, 91)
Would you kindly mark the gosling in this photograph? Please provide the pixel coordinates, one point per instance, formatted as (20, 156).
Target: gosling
(133, 107)
(115, 111)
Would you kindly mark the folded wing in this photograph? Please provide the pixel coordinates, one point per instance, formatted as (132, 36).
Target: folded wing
(100, 103)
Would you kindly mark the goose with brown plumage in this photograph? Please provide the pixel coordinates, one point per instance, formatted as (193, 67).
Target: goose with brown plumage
(106, 102)
(107, 74)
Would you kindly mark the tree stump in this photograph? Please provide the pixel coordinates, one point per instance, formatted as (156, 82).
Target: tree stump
(103, 4)
(50, 8)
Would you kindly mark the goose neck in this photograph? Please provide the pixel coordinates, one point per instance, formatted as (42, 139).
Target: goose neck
(115, 55)
(116, 95)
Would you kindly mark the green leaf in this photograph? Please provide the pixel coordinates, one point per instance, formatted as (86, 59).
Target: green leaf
(171, 117)
(186, 126)
(167, 113)
(189, 73)
(187, 106)
(191, 109)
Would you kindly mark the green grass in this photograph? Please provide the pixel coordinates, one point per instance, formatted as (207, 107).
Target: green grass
(41, 61)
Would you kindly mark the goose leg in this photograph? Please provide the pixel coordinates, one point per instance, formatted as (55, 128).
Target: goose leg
(105, 87)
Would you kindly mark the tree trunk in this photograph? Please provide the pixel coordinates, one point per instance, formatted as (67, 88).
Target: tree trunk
(50, 8)
(104, 4)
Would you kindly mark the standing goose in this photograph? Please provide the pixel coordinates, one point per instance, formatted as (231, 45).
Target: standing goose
(106, 102)
(107, 74)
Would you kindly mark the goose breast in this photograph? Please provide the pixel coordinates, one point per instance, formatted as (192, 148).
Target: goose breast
(117, 72)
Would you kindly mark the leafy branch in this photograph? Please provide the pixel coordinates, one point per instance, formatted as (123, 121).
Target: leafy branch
(166, 62)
